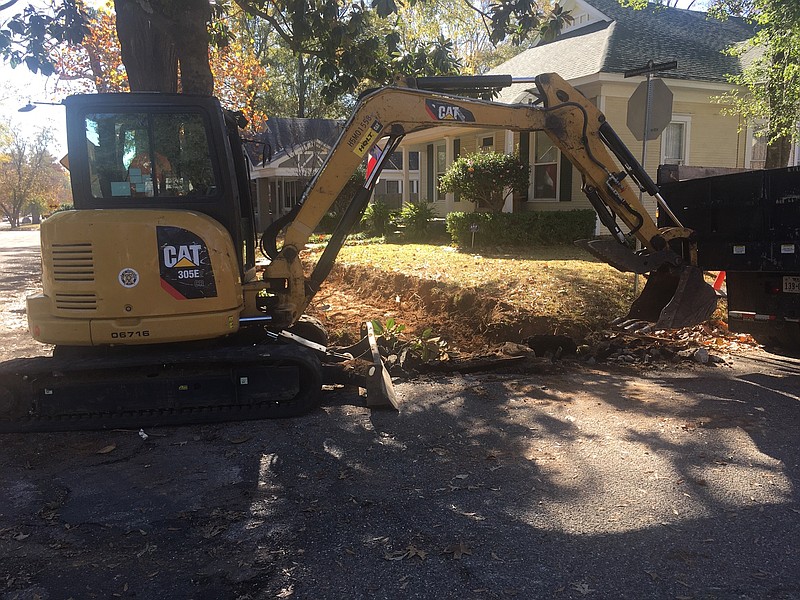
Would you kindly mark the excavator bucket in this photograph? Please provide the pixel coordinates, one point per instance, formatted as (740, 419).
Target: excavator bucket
(674, 297)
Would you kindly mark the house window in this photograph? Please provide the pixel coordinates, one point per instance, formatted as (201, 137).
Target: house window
(290, 193)
(758, 151)
(486, 143)
(675, 141)
(544, 168)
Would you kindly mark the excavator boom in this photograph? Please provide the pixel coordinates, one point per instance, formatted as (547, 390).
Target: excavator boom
(582, 134)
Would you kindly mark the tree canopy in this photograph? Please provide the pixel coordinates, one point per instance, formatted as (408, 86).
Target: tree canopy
(771, 73)
(166, 41)
(30, 177)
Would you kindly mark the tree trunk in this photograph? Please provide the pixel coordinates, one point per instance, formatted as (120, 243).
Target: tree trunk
(778, 153)
(302, 86)
(191, 42)
(148, 54)
(156, 37)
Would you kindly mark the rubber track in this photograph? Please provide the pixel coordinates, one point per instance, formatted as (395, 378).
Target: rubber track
(19, 376)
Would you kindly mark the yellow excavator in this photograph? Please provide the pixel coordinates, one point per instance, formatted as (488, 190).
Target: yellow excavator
(151, 294)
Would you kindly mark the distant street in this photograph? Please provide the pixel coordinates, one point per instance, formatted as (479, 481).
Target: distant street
(20, 263)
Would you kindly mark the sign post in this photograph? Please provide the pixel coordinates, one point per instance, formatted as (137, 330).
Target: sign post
(656, 99)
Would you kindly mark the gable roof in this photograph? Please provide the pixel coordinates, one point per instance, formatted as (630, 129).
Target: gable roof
(283, 136)
(629, 39)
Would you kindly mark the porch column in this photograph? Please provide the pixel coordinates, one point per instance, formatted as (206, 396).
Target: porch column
(406, 178)
(448, 160)
(509, 150)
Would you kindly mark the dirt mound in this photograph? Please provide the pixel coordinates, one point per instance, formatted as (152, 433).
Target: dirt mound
(470, 319)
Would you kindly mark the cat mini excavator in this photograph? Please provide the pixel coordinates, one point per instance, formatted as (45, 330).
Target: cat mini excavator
(151, 294)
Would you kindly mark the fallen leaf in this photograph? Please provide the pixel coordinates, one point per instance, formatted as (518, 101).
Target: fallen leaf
(458, 550)
(22, 536)
(413, 551)
(582, 588)
(240, 440)
(396, 555)
(107, 449)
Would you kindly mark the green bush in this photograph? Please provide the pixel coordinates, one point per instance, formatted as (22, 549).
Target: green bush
(417, 216)
(486, 178)
(378, 218)
(521, 229)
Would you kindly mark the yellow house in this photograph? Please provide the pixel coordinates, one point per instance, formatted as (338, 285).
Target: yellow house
(603, 41)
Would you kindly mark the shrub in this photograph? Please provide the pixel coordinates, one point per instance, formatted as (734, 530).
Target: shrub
(378, 218)
(486, 178)
(521, 229)
(416, 216)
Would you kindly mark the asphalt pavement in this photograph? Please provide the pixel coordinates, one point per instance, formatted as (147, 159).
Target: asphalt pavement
(575, 481)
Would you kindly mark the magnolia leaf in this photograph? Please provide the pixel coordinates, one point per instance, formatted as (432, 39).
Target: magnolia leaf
(107, 449)
(240, 440)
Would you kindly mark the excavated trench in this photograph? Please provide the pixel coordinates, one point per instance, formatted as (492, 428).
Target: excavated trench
(469, 319)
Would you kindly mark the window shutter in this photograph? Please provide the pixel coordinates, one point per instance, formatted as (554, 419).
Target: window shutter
(525, 155)
(565, 193)
(431, 177)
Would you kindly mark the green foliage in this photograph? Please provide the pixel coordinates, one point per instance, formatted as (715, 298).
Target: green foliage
(378, 218)
(389, 333)
(31, 180)
(426, 347)
(772, 77)
(338, 47)
(486, 178)
(28, 37)
(521, 229)
(429, 347)
(417, 216)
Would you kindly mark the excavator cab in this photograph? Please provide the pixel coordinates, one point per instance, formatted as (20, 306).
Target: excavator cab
(161, 152)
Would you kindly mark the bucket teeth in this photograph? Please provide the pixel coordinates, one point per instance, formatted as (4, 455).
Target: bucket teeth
(674, 298)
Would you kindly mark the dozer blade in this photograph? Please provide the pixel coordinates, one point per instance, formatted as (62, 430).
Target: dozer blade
(674, 297)
(371, 375)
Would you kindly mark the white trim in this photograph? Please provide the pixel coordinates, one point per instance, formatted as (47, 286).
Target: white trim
(748, 147)
(686, 121)
(533, 163)
(479, 138)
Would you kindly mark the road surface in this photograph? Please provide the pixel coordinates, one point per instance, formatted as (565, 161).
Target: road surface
(582, 481)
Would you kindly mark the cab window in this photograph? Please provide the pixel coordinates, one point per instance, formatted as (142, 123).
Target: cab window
(149, 155)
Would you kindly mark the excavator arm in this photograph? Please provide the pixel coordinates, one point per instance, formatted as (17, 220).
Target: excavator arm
(579, 130)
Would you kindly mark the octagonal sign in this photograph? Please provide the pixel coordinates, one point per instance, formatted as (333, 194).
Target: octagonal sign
(660, 109)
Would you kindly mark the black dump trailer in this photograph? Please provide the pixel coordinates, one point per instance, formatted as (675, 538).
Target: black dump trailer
(748, 225)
